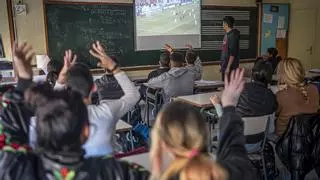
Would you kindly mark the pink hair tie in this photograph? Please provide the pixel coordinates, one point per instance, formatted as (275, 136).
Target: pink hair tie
(193, 153)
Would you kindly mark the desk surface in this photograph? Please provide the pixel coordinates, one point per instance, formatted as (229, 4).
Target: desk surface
(8, 81)
(315, 71)
(309, 75)
(203, 84)
(144, 160)
(199, 100)
(198, 84)
(122, 126)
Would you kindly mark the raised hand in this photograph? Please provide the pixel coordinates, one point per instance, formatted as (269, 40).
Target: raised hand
(69, 60)
(233, 88)
(98, 51)
(22, 57)
(168, 48)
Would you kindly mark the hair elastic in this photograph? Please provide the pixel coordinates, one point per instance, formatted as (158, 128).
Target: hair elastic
(193, 153)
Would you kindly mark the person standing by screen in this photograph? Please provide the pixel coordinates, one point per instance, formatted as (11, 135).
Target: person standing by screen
(230, 49)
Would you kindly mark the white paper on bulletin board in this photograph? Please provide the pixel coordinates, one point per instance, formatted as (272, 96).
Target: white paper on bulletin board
(268, 18)
(281, 33)
(281, 22)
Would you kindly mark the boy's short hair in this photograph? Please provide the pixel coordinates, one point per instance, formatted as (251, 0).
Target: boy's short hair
(229, 20)
(262, 72)
(191, 57)
(60, 122)
(177, 59)
(54, 66)
(273, 51)
(79, 79)
(164, 59)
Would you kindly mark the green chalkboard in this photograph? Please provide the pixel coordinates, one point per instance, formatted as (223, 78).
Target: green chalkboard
(76, 26)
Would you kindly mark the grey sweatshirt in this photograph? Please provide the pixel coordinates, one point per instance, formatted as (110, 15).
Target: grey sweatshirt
(104, 117)
(197, 69)
(175, 82)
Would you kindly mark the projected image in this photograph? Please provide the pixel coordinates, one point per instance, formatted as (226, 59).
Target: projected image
(167, 17)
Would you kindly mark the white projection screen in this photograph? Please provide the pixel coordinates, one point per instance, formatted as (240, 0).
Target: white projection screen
(175, 22)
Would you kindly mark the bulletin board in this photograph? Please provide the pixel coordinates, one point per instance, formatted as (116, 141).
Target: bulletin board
(275, 27)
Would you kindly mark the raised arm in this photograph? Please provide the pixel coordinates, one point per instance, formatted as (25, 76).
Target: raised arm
(15, 117)
(158, 81)
(69, 59)
(232, 154)
(131, 94)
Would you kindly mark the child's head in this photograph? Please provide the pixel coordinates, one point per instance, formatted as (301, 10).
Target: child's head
(181, 130)
(164, 59)
(61, 118)
(176, 59)
(290, 72)
(272, 52)
(262, 72)
(228, 22)
(191, 57)
(54, 66)
(79, 79)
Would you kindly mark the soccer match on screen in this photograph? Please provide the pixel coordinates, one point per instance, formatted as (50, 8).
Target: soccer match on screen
(167, 17)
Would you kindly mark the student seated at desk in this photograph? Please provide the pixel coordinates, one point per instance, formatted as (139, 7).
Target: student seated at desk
(272, 58)
(181, 131)
(178, 81)
(257, 99)
(193, 62)
(53, 68)
(164, 62)
(294, 96)
(108, 86)
(102, 117)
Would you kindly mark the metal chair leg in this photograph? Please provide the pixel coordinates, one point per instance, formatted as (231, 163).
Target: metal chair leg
(131, 137)
(264, 167)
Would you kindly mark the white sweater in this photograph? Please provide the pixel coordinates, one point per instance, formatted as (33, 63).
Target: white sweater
(104, 117)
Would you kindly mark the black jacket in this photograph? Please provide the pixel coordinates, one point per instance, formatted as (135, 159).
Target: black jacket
(108, 87)
(299, 146)
(256, 100)
(157, 72)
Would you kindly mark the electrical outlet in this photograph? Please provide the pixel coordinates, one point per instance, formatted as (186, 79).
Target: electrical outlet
(20, 9)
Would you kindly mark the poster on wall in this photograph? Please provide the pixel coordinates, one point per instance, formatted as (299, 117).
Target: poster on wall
(1, 48)
(268, 18)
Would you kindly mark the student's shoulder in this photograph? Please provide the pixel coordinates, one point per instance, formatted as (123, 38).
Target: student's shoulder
(312, 88)
(18, 165)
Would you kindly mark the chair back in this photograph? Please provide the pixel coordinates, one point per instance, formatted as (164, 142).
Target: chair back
(256, 128)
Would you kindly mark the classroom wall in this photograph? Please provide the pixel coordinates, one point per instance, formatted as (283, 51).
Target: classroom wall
(4, 28)
(31, 27)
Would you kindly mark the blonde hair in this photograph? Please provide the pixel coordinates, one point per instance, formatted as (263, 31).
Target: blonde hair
(291, 73)
(182, 130)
